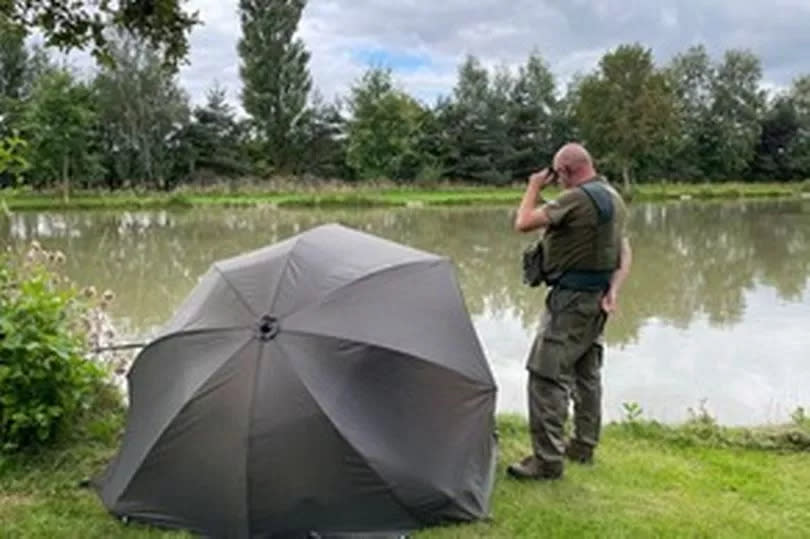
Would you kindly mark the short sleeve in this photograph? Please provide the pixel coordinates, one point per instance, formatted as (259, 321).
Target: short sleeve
(560, 208)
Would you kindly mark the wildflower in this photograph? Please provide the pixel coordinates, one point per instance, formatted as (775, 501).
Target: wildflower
(35, 246)
(89, 292)
(59, 256)
(109, 295)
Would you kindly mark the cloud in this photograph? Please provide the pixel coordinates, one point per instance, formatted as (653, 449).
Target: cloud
(424, 41)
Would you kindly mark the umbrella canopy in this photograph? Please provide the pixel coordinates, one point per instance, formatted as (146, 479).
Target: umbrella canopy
(329, 383)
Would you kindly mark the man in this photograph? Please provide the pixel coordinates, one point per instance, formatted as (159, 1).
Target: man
(587, 259)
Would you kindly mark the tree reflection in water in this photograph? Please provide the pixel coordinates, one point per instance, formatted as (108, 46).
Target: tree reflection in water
(694, 263)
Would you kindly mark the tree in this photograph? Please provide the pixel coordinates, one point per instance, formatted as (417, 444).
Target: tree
(692, 75)
(13, 60)
(59, 119)
(733, 123)
(214, 137)
(142, 112)
(275, 76)
(779, 130)
(531, 118)
(498, 140)
(321, 135)
(798, 151)
(384, 129)
(75, 24)
(474, 131)
(626, 108)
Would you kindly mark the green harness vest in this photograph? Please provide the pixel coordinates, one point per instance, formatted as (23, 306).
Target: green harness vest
(584, 279)
(580, 279)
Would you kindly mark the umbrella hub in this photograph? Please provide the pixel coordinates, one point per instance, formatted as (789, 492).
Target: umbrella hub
(268, 327)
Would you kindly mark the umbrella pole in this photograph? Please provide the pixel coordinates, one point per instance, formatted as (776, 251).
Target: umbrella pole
(116, 347)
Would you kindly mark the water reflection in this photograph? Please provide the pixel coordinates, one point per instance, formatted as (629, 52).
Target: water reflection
(716, 306)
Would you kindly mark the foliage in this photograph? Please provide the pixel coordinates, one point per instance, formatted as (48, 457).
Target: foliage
(274, 71)
(12, 156)
(75, 24)
(475, 132)
(626, 109)
(46, 380)
(780, 127)
(213, 138)
(632, 411)
(800, 418)
(57, 123)
(13, 61)
(733, 127)
(321, 137)
(532, 113)
(130, 125)
(383, 133)
(798, 148)
(142, 113)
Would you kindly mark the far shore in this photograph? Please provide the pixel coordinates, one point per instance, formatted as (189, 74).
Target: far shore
(347, 195)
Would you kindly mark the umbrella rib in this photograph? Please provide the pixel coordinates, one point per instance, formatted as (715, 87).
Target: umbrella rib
(304, 332)
(235, 291)
(252, 408)
(388, 488)
(281, 275)
(190, 332)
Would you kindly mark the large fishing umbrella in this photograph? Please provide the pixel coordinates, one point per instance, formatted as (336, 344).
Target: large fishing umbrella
(332, 382)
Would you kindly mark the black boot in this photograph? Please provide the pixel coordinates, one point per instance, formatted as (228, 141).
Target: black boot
(531, 468)
(579, 452)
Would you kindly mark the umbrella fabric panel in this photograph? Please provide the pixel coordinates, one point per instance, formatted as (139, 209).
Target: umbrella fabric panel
(426, 430)
(162, 380)
(255, 276)
(329, 257)
(195, 473)
(416, 309)
(302, 473)
(213, 303)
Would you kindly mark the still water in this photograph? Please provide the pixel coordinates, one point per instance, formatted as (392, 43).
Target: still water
(717, 306)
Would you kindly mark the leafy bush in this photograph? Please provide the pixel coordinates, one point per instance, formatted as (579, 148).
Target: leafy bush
(46, 380)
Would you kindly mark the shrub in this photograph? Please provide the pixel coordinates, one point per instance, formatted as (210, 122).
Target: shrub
(46, 381)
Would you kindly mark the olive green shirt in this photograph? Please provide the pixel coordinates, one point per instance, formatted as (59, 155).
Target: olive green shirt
(574, 240)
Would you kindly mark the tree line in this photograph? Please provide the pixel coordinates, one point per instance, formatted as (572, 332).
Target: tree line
(130, 124)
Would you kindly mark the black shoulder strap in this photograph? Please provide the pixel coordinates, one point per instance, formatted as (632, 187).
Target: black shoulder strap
(601, 198)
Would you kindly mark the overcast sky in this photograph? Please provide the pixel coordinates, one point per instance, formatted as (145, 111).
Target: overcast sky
(423, 41)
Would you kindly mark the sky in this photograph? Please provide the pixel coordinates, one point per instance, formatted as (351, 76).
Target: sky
(424, 41)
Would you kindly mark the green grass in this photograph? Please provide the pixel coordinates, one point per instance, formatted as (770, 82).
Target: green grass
(644, 485)
(650, 480)
(346, 195)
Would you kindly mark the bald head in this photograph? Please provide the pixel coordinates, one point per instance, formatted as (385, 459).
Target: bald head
(574, 164)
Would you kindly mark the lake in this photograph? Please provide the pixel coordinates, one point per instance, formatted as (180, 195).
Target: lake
(717, 306)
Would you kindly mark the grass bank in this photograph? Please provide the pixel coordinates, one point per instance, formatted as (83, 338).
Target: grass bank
(343, 195)
(650, 480)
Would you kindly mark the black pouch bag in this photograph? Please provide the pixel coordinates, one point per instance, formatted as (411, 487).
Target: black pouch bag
(533, 265)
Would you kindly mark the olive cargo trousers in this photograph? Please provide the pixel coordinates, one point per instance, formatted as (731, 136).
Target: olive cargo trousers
(566, 358)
